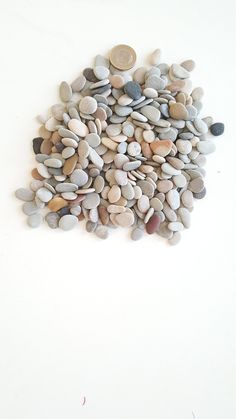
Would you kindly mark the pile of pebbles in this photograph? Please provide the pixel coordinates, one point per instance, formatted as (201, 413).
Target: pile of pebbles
(122, 150)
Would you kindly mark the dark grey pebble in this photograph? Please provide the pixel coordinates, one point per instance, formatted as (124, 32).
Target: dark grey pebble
(217, 128)
(89, 75)
(201, 194)
(63, 211)
(59, 146)
(37, 144)
(133, 90)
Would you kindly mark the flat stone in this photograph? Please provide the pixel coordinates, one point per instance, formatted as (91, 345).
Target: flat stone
(164, 185)
(206, 147)
(102, 232)
(173, 199)
(133, 90)
(88, 73)
(128, 192)
(88, 105)
(184, 216)
(175, 239)
(201, 194)
(56, 163)
(67, 222)
(200, 125)
(136, 234)
(30, 208)
(101, 72)
(170, 170)
(143, 204)
(152, 113)
(57, 203)
(125, 219)
(66, 187)
(175, 226)
(187, 199)
(153, 224)
(34, 220)
(155, 57)
(44, 194)
(183, 146)
(70, 164)
(179, 71)
(78, 84)
(95, 158)
(161, 148)
(179, 181)
(52, 219)
(155, 82)
(65, 91)
(196, 185)
(37, 144)
(121, 177)
(146, 187)
(178, 111)
(217, 128)
(114, 194)
(131, 165)
(156, 204)
(134, 149)
(91, 200)
(25, 194)
(43, 171)
(197, 94)
(189, 65)
(78, 127)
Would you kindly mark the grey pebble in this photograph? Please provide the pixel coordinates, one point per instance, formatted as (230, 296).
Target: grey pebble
(34, 220)
(92, 200)
(30, 208)
(67, 222)
(66, 187)
(24, 194)
(79, 177)
(136, 234)
(52, 219)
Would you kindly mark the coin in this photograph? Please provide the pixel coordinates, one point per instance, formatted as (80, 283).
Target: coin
(122, 57)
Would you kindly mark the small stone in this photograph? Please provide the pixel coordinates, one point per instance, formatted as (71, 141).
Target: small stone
(153, 224)
(189, 65)
(196, 185)
(92, 200)
(25, 194)
(133, 90)
(134, 149)
(78, 127)
(57, 203)
(179, 71)
(184, 146)
(152, 113)
(121, 177)
(52, 218)
(114, 194)
(78, 84)
(95, 158)
(184, 216)
(65, 91)
(173, 199)
(102, 232)
(125, 219)
(178, 111)
(70, 164)
(89, 75)
(143, 204)
(175, 239)
(146, 187)
(156, 204)
(66, 187)
(150, 92)
(37, 144)
(67, 222)
(30, 208)
(197, 94)
(217, 128)
(206, 147)
(101, 72)
(88, 105)
(170, 170)
(161, 148)
(201, 194)
(117, 81)
(164, 186)
(79, 177)
(34, 220)
(44, 194)
(136, 234)
(187, 199)
(175, 226)
(55, 163)
(131, 165)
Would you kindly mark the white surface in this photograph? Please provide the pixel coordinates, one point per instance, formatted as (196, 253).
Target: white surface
(142, 330)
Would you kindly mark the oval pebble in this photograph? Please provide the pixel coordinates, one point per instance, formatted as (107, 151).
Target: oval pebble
(52, 219)
(78, 127)
(24, 194)
(35, 220)
(92, 200)
(125, 219)
(67, 222)
(136, 234)
(102, 232)
(44, 194)
(88, 105)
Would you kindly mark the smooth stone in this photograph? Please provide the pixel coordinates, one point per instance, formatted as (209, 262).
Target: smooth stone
(44, 194)
(143, 204)
(164, 232)
(116, 209)
(89, 75)
(189, 65)
(201, 194)
(101, 72)
(173, 199)
(36, 184)
(95, 158)
(183, 146)
(34, 220)
(123, 110)
(155, 82)
(206, 147)
(184, 216)
(57, 203)
(92, 200)
(133, 90)
(88, 105)
(78, 84)
(175, 226)
(149, 92)
(65, 91)
(200, 125)
(66, 133)
(76, 210)
(79, 177)
(70, 164)
(139, 75)
(63, 211)
(171, 134)
(217, 128)
(93, 140)
(131, 165)
(156, 204)
(175, 239)
(179, 72)
(136, 234)
(178, 111)
(66, 187)
(170, 170)
(37, 144)
(90, 226)
(125, 219)
(67, 152)
(187, 199)
(113, 130)
(114, 194)
(146, 187)
(102, 232)
(69, 142)
(55, 163)
(164, 186)
(52, 218)
(67, 222)
(138, 117)
(152, 113)
(83, 149)
(78, 127)
(153, 224)
(196, 185)
(134, 149)
(197, 94)
(180, 181)
(161, 148)
(24, 194)
(128, 192)
(30, 208)
(121, 177)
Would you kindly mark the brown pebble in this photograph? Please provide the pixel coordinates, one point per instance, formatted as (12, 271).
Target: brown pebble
(55, 138)
(103, 215)
(178, 111)
(81, 217)
(44, 133)
(57, 203)
(70, 164)
(162, 148)
(153, 224)
(46, 147)
(100, 114)
(76, 201)
(35, 174)
(146, 150)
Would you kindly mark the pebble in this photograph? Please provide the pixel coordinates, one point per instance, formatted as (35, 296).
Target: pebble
(102, 232)
(67, 222)
(25, 194)
(34, 220)
(217, 128)
(122, 150)
(153, 224)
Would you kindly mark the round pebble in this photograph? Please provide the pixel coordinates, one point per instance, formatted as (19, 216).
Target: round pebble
(67, 222)
(34, 220)
(217, 128)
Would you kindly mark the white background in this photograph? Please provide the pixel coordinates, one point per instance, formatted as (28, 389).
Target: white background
(141, 329)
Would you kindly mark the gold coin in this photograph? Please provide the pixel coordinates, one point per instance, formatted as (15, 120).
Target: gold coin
(122, 57)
